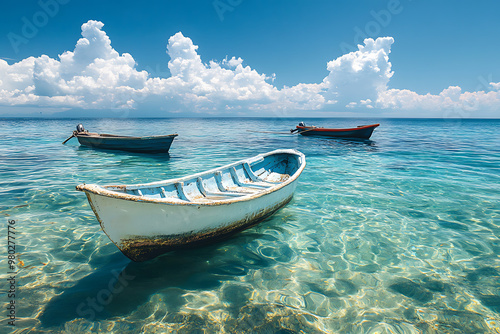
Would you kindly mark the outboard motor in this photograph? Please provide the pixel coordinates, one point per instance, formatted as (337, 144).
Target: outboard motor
(79, 128)
(297, 129)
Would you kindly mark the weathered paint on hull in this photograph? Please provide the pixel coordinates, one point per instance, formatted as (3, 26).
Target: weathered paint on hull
(157, 144)
(142, 248)
(143, 228)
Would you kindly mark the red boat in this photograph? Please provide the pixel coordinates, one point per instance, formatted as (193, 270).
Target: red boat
(360, 132)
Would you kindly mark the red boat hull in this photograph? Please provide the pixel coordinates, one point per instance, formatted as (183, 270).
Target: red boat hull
(361, 132)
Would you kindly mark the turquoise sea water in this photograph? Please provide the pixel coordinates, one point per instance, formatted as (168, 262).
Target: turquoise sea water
(400, 234)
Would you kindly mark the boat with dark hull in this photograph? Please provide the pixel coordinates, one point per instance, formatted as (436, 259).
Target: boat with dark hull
(149, 144)
(146, 220)
(360, 132)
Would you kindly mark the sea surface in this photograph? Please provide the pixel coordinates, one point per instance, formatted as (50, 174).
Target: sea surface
(400, 234)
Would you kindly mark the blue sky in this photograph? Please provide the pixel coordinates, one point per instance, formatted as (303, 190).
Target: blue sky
(434, 46)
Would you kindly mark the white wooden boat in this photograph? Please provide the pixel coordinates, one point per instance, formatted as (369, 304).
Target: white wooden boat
(146, 220)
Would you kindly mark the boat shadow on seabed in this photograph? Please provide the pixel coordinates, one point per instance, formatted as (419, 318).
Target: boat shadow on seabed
(118, 291)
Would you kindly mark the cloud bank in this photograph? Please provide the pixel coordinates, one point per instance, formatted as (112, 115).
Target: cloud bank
(95, 76)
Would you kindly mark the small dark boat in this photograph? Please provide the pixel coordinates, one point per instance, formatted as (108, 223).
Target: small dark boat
(360, 132)
(150, 144)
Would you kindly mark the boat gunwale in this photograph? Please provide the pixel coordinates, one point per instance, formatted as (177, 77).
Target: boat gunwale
(313, 128)
(120, 137)
(103, 191)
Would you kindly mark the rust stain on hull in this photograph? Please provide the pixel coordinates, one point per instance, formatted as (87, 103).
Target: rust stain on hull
(145, 248)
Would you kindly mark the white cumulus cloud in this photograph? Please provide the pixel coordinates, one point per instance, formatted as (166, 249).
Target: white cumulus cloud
(495, 85)
(451, 98)
(361, 75)
(95, 76)
(210, 86)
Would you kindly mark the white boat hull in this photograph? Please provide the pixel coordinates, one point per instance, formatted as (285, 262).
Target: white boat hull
(143, 228)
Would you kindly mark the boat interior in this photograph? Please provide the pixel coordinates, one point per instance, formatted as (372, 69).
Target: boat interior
(226, 183)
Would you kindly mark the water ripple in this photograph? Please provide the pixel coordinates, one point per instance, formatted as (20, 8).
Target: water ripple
(400, 234)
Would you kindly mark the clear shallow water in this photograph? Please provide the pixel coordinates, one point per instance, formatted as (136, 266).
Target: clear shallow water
(397, 235)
